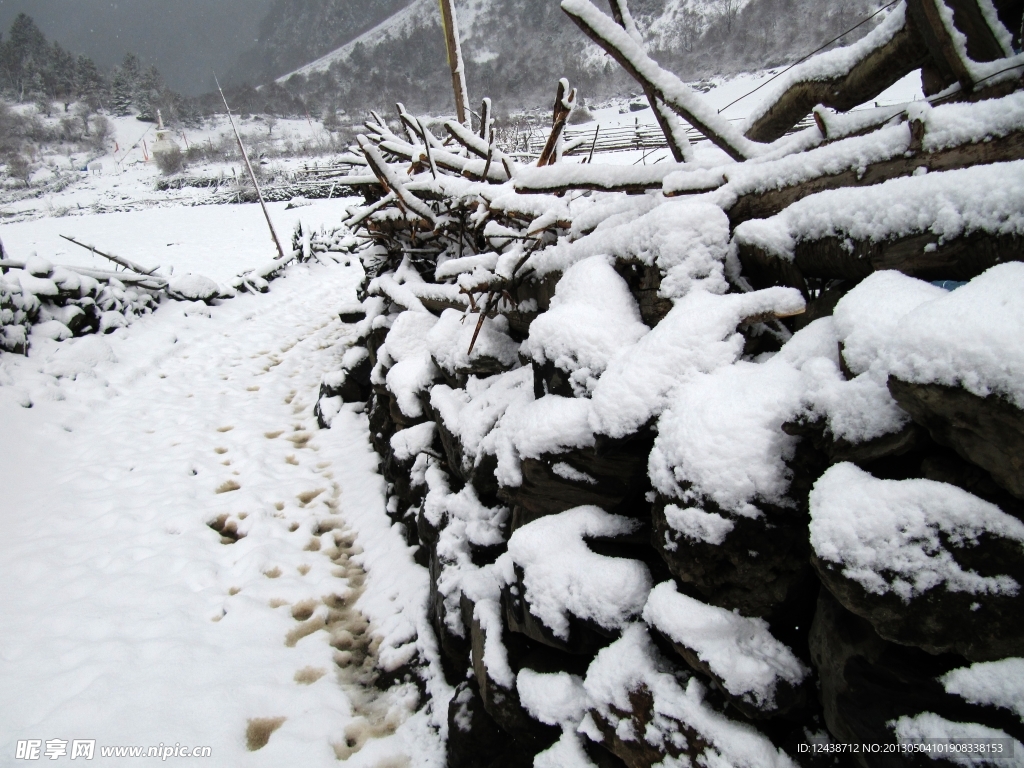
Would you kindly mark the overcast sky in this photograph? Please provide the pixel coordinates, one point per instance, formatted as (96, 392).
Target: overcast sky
(187, 39)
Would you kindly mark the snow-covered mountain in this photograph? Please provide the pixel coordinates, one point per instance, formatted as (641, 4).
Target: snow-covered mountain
(360, 54)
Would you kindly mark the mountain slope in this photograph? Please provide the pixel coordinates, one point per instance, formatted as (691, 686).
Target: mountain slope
(515, 50)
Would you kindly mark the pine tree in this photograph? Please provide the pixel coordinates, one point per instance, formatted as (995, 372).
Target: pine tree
(147, 95)
(89, 83)
(121, 93)
(23, 55)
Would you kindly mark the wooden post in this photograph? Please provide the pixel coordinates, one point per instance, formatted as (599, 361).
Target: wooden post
(455, 64)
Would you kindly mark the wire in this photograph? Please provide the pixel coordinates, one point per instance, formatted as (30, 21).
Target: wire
(812, 53)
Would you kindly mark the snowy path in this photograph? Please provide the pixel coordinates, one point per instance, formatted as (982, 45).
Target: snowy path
(125, 617)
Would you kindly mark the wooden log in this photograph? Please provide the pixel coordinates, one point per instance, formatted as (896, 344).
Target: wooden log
(446, 160)
(885, 65)
(920, 255)
(993, 150)
(633, 179)
(485, 119)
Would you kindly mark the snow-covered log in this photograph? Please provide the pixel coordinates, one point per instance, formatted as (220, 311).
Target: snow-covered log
(841, 78)
(661, 84)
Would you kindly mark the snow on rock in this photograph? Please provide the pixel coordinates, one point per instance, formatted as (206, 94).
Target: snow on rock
(867, 317)
(927, 727)
(697, 336)
(948, 204)
(408, 443)
(739, 652)
(631, 673)
(564, 577)
(972, 337)
(413, 371)
(448, 343)
(990, 683)
(592, 317)
(193, 287)
(896, 535)
(567, 752)
(470, 414)
(553, 698)
(722, 439)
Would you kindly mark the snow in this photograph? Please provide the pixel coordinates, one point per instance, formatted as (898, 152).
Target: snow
(408, 443)
(448, 341)
(890, 535)
(127, 620)
(987, 198)
(688, 242)
(632, 662)
(218, 241)
(564, 577)
(567, 752)
(990, 683)
(413, 371)
(592, 316)
(698, 335)
(697, 525)
(552, 698)
(950, 125)
(972, 337)
(739, 651)
(927, 727)
(867, 318)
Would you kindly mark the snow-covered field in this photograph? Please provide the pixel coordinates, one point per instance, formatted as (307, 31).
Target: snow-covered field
(126, 618)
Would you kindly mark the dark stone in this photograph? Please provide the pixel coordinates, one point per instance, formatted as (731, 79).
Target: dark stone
(979, 627)
(947, 467)
(644, 281)
(760, 566)
(823, 303)
(619, 467)
(986, 431)
(586, 638)
(501, 703)
(352, 315)
(474, 739)
(480, 474)
(894, 456)
(549, 379)
(455, 649)
(867, 682)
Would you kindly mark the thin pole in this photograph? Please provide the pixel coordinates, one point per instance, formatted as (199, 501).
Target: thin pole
(245, 157)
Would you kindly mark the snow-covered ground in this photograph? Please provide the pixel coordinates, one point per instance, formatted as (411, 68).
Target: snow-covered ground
(126, 618)
(218, 241)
